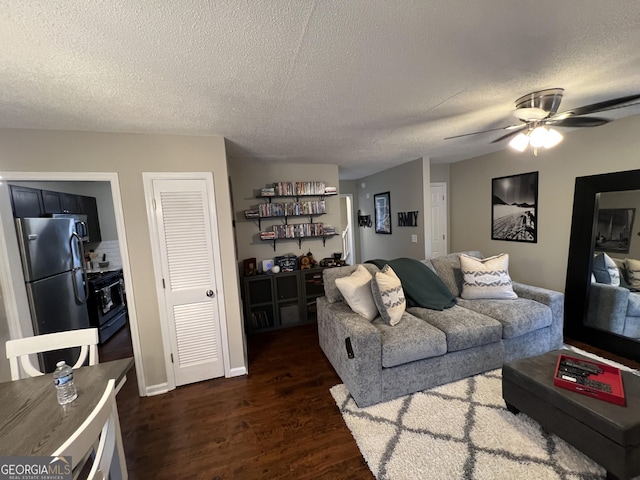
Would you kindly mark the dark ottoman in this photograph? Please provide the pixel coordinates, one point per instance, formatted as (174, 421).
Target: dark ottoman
(608, 433)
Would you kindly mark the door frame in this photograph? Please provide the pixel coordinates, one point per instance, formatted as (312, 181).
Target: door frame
(8, 274)
(147, 180)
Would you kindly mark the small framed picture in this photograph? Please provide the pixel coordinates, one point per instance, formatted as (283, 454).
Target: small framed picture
(382, 205)
(514, 208)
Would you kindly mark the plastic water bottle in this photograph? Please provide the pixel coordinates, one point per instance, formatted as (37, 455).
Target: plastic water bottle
(63, 380)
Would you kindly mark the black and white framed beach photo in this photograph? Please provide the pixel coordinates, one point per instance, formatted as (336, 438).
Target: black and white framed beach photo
(614, 229)
(382, 204)
(514, 208)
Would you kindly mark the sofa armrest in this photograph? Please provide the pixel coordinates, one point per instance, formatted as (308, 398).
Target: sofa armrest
(607, 307)
(361, 374)
(551, 298)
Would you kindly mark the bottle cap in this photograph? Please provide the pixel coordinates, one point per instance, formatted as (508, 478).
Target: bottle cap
(61, 363)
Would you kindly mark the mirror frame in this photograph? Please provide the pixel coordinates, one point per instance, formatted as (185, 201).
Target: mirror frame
(581, 244)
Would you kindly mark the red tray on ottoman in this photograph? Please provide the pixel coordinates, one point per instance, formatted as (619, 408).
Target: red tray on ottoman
(606, 374)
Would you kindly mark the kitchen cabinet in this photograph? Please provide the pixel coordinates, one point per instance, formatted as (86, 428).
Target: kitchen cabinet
(59, 202)
(26, 202)
(51, 202)
(33, 202)
(89, 207)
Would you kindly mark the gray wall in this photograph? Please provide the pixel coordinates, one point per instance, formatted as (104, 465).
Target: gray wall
(586, 151)
(406, 184)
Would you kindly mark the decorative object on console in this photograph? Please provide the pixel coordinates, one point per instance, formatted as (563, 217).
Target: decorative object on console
(486, 278)
(287, 263)
(514, 208)
(275, 269)
(382, 205)
(267, 264)
(307, 261)
(249, 267)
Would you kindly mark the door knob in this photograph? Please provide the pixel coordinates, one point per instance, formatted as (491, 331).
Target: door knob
(210, 293)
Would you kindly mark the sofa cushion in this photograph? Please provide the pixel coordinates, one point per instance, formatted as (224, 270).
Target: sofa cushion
(330, 275)
(356, 290)
(517, 316)
(410, 340)
(463, 328)
(486, 278)
(633, 272)
(388, 295)
(448, 269)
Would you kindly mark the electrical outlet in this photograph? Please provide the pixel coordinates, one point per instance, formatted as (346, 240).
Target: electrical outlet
(414, 238)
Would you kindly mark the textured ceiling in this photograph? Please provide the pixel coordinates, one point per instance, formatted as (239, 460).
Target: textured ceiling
(360, 83)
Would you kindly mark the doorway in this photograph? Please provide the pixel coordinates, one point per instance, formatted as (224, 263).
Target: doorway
(11, 275)
(347, 230)
(439, 237)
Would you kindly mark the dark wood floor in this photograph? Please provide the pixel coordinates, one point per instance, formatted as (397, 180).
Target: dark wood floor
(279, 421)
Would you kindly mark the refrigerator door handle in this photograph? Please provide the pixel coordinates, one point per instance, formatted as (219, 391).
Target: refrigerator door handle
(76, 291)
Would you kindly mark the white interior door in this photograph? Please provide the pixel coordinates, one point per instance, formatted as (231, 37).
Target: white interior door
(438, 219)
(187, 240)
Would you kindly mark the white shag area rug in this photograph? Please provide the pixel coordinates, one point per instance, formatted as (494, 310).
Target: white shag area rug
(460, 430)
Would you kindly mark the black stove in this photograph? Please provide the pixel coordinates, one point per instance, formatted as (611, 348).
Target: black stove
(107, 302)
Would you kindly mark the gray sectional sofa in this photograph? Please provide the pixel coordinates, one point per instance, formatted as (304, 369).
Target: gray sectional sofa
(430, 347)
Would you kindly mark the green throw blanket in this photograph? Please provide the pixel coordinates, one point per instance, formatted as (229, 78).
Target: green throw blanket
(422, 287)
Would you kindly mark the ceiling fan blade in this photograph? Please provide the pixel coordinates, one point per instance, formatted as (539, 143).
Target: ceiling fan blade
(510, 127)
(513, 133)
(579, 122)
(600, 106)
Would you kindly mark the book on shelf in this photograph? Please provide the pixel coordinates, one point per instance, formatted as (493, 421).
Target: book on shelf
(253, 213)
(267, 192)
(330, 190)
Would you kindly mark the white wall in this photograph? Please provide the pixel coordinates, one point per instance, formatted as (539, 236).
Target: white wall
(585, 151)
(129, 155)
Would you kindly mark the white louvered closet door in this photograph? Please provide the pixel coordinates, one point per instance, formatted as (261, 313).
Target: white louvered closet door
(185, 233)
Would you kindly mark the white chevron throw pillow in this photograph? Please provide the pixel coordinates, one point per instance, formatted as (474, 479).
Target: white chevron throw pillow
(388, 295)
(486, 278)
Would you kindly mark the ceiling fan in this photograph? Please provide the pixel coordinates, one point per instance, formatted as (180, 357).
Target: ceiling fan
(538, 111)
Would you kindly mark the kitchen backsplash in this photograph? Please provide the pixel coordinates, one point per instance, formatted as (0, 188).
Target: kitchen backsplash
(111, 249)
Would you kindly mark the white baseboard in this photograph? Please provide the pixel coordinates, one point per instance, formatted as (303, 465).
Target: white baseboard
(236, 372)
(157, 389)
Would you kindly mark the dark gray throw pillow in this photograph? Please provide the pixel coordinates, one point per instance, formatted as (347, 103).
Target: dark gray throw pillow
(599, 270)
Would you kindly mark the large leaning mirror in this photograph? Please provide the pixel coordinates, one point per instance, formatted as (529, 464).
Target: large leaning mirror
(602, 294)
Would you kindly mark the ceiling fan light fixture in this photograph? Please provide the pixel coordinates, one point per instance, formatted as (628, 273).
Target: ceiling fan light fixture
(519, 142)
(538, 137)
(554, 137)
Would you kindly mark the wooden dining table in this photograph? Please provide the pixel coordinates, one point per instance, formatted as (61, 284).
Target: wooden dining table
(32, 423)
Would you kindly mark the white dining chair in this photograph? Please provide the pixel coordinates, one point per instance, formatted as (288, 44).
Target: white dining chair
(19, 350)
(101, 427)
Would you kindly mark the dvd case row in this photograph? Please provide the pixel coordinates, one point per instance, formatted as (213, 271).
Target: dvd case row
(297, 231)
(294, 208)
(299, 188)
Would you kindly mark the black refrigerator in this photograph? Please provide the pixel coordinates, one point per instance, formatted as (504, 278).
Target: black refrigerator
(52, 260)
